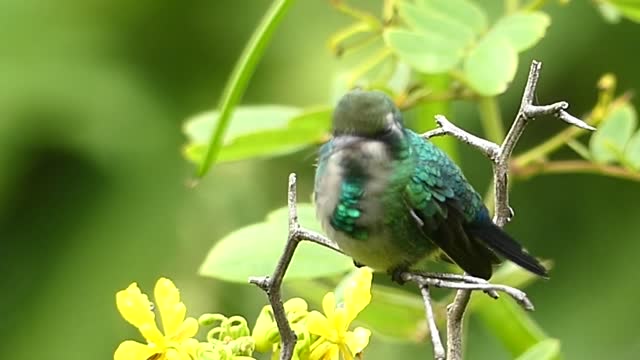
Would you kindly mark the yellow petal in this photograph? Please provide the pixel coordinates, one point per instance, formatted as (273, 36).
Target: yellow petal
(175, 354)
(346, 353)
(186, 330)
(357, 294)
(357, 340)
(132, 350)
(134, 306)
(332, 354)
(324, 350)
(329, 304)
(318, 324)
(339, 321)
(172, 311)
(153, 335)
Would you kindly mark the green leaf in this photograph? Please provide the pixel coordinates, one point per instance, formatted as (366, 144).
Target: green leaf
(508, 322)
(465, 12)
(258, 131)
(431, 23)
(317, 119)
(608, 143)
(491, 65)
(422, 117)
(610, 13)
(545, 350)
(427, 53)
(395, 314)
(246, 120)
(254, 250)
(632, 152)
(628, 8)
(522, 30)
(505, 318)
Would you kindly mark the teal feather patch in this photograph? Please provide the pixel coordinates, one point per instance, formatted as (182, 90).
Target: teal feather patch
(347, 212)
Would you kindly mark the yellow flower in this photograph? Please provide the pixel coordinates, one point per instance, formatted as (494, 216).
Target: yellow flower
(176, 343)
(333, 326)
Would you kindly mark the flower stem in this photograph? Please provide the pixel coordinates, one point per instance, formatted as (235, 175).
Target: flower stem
(574, 166)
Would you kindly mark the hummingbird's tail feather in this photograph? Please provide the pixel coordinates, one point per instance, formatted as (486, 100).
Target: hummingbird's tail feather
(499, 241)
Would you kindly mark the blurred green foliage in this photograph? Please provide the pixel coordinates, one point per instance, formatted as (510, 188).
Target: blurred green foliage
(92, 184)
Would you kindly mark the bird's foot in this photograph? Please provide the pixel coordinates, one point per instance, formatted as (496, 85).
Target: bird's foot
(396, 275)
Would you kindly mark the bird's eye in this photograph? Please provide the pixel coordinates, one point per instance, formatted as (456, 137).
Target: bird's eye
(388, 134)
(383, 133)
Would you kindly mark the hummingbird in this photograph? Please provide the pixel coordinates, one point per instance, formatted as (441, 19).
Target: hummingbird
(392, 200)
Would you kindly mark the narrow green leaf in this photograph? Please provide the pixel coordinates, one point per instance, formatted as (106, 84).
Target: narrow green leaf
(632, 152)
(545, 350)
(628, 8)
(242, 71)
(429, 22)
(259, 131)
(522, 30)
(491, 65)
(465, 12)
(254, 250)
(610, 140)
(427, 53)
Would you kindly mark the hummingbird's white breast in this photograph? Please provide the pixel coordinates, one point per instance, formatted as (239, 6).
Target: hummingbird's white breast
(372, 157)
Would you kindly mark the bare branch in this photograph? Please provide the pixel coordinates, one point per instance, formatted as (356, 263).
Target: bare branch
(516, 294)
(272, 285)
(438, 349)
(528, 111)
(486, 147)
(455, 317)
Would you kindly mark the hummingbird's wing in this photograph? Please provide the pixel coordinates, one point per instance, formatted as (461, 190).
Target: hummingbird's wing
(441, 210)
(445, 229)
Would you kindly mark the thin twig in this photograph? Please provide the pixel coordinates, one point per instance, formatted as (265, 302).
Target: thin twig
(438, 349)
(528, 111)
(272, 285)
(455, 316)
(516, 294)
(486, 147)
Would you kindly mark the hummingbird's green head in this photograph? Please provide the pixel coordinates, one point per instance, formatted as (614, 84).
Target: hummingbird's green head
(364, 113)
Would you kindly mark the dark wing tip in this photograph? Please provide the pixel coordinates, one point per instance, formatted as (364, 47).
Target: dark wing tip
(499, 241)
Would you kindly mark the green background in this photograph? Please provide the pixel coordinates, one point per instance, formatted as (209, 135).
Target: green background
(93, 192)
